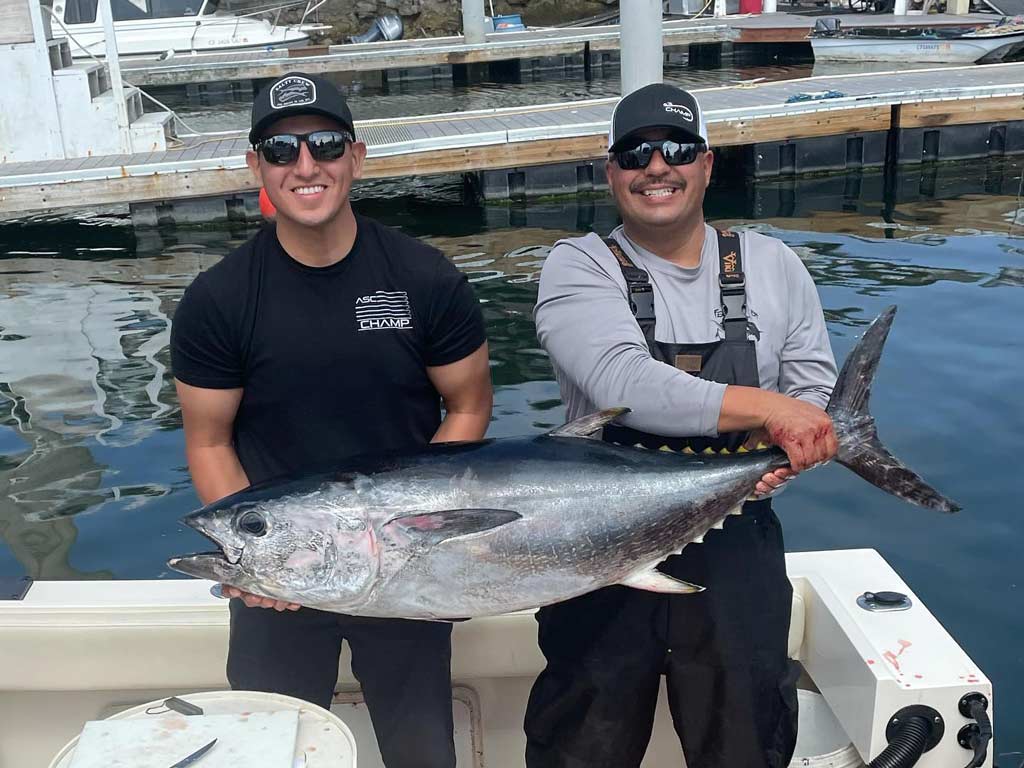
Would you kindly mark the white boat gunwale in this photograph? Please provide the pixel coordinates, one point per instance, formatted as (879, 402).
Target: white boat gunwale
(75, 649)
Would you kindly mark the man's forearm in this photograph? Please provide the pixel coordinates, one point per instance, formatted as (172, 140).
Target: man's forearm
(216, 472)
(458, 426)
(745, 408)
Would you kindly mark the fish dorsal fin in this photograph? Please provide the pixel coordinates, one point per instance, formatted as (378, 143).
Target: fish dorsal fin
(587, 426)
(434, 527)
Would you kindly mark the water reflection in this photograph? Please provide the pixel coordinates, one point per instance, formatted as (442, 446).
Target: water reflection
(48, 475)
(834, 264)
(1008, 276)
(503, 265)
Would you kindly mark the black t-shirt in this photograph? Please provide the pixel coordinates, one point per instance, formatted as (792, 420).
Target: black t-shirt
(332, 360)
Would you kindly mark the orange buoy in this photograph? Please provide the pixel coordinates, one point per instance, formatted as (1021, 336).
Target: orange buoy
(266, 207)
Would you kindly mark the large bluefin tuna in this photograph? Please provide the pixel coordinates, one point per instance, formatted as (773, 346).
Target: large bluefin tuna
(475, 529)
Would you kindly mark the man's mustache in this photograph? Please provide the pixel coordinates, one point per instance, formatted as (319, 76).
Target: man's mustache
(641, 186)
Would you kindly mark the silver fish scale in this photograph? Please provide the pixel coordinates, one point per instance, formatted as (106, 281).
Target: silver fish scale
(581, 528)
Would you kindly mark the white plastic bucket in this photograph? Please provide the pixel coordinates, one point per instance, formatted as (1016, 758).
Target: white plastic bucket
(821, 741)
(323, 740)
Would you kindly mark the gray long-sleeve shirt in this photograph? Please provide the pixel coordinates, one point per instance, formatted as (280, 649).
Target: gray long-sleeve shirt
(600, 356)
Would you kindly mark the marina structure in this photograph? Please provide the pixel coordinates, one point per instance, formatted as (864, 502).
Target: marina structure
(93, 144)
(592, 43)
(769, 129)
(57, 109)
(454, 56)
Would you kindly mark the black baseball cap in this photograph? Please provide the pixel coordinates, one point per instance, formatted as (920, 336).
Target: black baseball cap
(657, 106)
(298, 94)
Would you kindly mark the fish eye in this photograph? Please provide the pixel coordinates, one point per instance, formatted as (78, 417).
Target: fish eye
(253, 523)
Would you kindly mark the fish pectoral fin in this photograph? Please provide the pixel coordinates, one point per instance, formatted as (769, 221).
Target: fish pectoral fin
(435, 527)
(656, 581)
(589, 425)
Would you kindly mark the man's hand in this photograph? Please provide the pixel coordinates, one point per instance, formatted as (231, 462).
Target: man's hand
(775, 479)
(255, 601)
(803, 431)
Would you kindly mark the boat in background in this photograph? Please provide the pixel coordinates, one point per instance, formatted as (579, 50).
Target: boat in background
(175, 27)
(917, 45)
(884, 676)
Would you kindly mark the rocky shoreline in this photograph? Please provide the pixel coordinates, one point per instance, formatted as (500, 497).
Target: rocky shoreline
(433, 18)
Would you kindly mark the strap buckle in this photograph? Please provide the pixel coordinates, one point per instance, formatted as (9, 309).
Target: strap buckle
(734, 302)
(641, 302)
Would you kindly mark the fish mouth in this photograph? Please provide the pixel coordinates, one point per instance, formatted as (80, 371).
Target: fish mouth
(218, 565)
(205, 565)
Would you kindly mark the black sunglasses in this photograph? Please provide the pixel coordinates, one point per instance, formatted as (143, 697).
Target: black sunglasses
(283, 148)
(673, 152)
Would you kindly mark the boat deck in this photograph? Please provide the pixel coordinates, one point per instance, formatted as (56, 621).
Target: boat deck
(505, 46)
(535, 135)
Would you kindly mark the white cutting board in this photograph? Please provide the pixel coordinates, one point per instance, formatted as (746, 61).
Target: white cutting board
(251, 739)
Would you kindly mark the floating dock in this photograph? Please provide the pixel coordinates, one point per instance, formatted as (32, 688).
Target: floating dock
(407, 54)
(592, 43)
(766, 129)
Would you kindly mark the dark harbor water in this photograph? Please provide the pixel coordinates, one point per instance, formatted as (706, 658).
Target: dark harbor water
(92, 470)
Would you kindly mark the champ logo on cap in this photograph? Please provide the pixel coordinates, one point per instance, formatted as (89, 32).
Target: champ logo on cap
(679, 109)
(292, 92)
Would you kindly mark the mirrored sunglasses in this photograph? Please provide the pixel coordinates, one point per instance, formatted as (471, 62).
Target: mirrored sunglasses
(283, 148)
(673, 152)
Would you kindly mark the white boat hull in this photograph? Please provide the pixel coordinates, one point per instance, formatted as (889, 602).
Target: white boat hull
(912, 51)
(79, 651)
(185, 35)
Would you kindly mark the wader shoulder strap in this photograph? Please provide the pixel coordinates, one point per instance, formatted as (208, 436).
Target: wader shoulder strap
(732, 285)
(641, 294)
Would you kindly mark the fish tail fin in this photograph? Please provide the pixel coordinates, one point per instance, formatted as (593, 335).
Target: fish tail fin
(860, 450)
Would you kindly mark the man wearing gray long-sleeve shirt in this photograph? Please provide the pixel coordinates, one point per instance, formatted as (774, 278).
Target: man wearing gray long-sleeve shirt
(714, 341)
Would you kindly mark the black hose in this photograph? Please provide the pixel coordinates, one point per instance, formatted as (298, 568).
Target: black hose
(982, 735)
(907, 746)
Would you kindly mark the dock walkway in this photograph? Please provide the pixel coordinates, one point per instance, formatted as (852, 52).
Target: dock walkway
(744, 114)
(505, 46)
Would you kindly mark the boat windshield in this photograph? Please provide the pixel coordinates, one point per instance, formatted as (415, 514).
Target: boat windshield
(84, 11)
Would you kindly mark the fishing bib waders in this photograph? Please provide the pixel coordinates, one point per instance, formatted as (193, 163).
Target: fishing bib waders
(723, 652)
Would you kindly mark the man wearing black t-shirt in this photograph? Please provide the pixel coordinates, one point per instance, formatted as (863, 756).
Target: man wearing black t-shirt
(324, 336)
